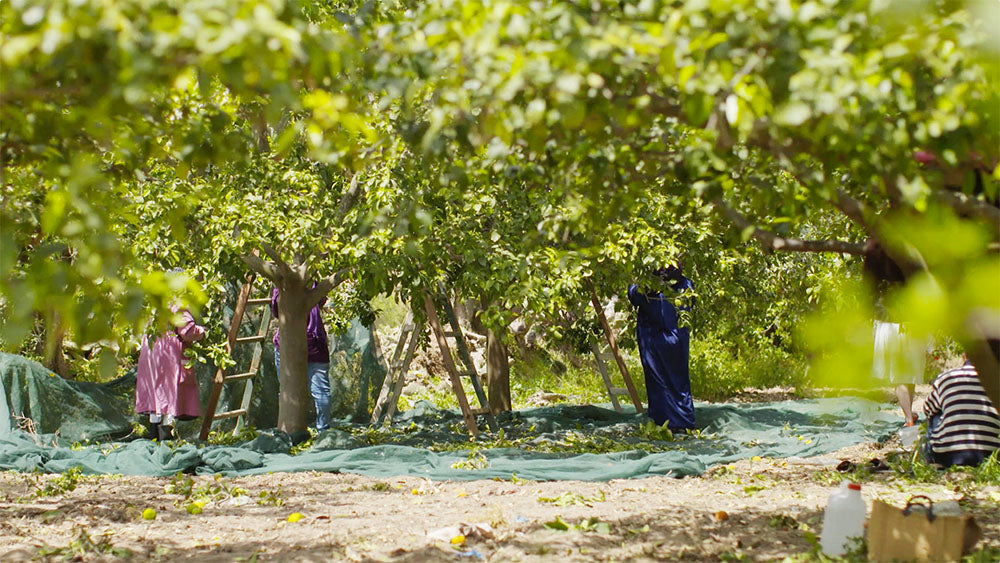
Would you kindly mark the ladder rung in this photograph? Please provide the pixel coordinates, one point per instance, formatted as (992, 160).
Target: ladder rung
(258, 338)
(467, 374)
(259, 301)
(397, 365)
(239, 376)
(618, 391)
(449, 334)
(229, 414)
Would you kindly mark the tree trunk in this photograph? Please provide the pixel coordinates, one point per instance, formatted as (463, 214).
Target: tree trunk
(50, 347)
(57, 362)
(293, 317)
(497, 373)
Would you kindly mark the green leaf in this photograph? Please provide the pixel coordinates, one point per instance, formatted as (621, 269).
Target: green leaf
(55, 210)
(557, 524)
(793, 114)
(697, 108)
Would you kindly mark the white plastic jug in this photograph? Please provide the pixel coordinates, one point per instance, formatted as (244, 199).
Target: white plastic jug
(908, 435)
(844, 518)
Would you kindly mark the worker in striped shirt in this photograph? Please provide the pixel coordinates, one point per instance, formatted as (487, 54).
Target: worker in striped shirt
(963, 425)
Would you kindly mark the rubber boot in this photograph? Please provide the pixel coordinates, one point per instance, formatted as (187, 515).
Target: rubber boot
(166, 433)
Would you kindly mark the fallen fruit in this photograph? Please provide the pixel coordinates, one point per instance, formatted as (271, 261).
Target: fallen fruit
(295, 517)
(721, 515)
(149, 514)
(459, 539)
(193, 509)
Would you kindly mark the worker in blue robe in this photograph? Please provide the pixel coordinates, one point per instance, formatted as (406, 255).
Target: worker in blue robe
(664, 349)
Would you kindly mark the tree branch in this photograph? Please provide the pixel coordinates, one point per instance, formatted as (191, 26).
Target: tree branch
(283, 268)
(772, 241)
(853, 209)
(266, 269)
(969, 206)
(892, 190)
(325, 286)
(350, 198)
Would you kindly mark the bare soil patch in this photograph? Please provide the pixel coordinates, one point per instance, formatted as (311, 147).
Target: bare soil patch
(760, 509)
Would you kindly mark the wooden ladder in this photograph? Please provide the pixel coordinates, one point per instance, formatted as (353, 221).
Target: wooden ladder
(399, 365)
(243, 302)
(612, 351)
(441, 335)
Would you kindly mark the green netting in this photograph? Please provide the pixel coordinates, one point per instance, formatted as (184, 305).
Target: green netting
(356, 373)
(38, 400)
(78, 411)
(64, 411)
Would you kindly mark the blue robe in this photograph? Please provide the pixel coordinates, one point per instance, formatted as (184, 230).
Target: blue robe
(664, 349)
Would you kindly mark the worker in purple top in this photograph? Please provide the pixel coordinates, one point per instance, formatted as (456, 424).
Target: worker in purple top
(318, 362)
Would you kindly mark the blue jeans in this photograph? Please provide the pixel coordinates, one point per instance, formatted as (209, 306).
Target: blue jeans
(947, 459)
(319, 388)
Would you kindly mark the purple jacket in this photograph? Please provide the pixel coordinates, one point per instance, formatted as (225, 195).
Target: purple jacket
(316, 340)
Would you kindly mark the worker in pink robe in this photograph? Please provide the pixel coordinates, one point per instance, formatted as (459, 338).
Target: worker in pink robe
(165, 387)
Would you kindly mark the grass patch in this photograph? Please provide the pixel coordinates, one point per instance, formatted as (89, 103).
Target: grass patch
(718, 373)
(913, 468)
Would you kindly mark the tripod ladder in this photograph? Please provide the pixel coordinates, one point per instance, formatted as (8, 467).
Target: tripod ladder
(456, 375)
(392, 388)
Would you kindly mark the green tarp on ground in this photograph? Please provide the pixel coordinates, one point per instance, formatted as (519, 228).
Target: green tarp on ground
(68, 411)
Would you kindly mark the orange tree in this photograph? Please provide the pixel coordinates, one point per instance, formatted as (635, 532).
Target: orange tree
(780, 117)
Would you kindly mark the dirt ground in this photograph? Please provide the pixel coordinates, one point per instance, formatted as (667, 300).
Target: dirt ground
(757, 509)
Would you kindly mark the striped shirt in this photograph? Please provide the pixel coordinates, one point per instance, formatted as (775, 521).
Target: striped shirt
(969, 421)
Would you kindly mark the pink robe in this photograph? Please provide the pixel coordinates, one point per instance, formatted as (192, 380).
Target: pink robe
(163, 385)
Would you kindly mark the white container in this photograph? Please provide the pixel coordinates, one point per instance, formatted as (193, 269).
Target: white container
(908, 435)
(844, 518)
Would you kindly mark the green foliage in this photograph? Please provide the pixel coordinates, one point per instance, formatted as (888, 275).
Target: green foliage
(586, 525)
(195, 497)
(246, 434)
(64, 483)
(856, 552)
(524, 155)
(913, 468)
(651, 431)
(271, 498)
(179, 484)
(567, 499)
(475, 460)
(718, 371)
(983, 555)
(567, 374)
(84, 546)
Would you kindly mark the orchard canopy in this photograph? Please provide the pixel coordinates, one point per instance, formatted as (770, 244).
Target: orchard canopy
(520, 152)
